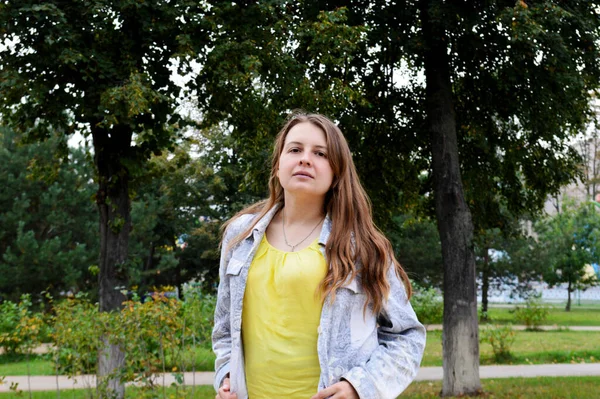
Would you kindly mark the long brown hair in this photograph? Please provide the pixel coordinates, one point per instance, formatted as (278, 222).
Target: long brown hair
(354, 237)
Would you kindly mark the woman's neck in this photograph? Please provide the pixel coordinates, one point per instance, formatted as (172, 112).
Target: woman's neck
(302, 212)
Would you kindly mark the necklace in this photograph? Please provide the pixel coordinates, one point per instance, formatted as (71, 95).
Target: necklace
(304, 239)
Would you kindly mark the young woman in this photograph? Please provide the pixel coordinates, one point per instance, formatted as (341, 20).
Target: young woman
(312, 302)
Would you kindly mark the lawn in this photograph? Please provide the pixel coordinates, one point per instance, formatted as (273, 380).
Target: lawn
(200, 392)
(17, 365)
(531, 347)
(578, 316)
(517, 388)
(197, 359)
(501, 388)
(561, 346)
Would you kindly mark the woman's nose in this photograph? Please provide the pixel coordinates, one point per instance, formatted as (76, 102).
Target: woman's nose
(305, 159)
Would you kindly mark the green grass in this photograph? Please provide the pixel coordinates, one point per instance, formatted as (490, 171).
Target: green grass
(498, 388)
(203, 358)
(518, 388)
(17, 365)
(200, 392)
(531, 347)
(198, 358)
(578, 316)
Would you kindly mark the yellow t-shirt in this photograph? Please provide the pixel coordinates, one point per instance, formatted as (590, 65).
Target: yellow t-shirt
(280, 318)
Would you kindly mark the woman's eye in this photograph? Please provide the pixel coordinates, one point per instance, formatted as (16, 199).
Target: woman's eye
(322, 154)
(294, 150)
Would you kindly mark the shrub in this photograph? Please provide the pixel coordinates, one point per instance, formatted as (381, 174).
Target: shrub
(20, 329)
(501, 338)
(153, 334)
(428, 304)
(10, 314)
(533, 314)
(484, 317)
(75, 335)
(198, 312)
(148, 333)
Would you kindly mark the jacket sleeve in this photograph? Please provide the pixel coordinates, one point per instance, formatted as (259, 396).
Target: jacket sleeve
(394, 363)
(221, 335)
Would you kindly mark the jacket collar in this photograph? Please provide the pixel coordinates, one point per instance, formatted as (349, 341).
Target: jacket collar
(325, 231)
(261, 226)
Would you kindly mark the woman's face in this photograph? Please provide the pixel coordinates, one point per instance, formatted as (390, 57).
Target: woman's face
(303, 164)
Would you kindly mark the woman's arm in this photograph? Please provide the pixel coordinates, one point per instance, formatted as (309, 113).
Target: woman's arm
(395, 362)
(221, 335)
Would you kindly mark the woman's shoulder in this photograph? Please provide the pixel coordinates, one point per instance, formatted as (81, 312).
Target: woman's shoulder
(239, 224)
(242, 221)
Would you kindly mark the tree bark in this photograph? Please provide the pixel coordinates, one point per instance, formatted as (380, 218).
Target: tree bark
(460, 333)
(115, 223)
(568, 308)
(485, 282)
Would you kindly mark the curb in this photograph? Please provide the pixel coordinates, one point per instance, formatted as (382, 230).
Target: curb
(554, 327)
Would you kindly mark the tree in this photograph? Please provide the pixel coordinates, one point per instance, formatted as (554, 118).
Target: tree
(103, 68)
(588, 146)
(568, 242)
(506, 259)
(47, 237)
(485, 262)
(47, 219)
(416, 242)
(461, 353)
(177, 212)
(472, 56)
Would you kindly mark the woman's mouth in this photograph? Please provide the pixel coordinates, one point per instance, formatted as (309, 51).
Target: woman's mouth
(304, 174)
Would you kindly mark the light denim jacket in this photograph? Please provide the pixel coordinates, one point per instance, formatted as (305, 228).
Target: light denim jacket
(379, 355)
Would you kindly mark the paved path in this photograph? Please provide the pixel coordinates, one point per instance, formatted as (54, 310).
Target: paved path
(436, 327)
(49, 383)
(536, 370)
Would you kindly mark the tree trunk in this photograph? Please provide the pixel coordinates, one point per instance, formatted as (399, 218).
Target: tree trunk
(568, 308)
(114, 207)
(485, 282)
(557, 204)
(460, 333)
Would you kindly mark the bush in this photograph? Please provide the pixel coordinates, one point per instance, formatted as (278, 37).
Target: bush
(153, 334)
(149, 333)
(20, 329)
(533, 314)
(10, 314)
(428, 305)
(484, 317)
(198, 312)
(501, 338)
(75, 335)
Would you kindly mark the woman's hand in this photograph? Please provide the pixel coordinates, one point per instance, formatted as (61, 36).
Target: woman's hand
(225, 391)
(340, 390)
